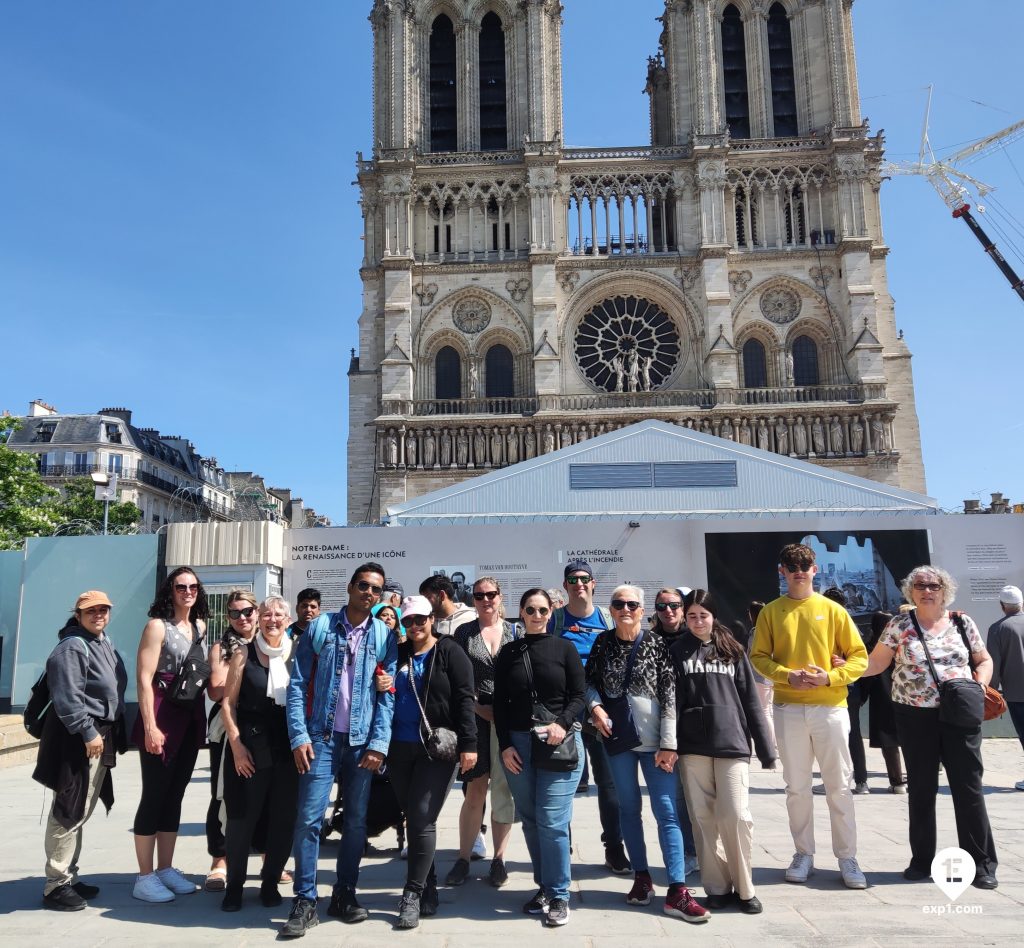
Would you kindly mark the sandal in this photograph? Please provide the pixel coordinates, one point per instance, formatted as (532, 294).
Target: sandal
(217, 879)
(286, 877)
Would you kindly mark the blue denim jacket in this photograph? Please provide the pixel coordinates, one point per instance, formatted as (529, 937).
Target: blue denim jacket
(370, 721)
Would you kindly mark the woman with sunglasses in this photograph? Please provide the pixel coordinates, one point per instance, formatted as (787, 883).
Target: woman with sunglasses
(546, 669)
(957, 652)
(241, 612)
(433, 689)
(482, 639)
(168, 735)
(261, 783)
(627, 664)
(718, 714)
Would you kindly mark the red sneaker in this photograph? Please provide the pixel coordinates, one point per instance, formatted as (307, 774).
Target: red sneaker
(640, 894)
(679, 903)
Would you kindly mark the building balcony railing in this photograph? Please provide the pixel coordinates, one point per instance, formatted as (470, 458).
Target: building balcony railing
(854, 393)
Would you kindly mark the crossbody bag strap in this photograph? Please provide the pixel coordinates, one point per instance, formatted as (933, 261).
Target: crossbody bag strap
(630, 662)
(924, 645)
(958, 621)
(412, 684)
(529, 671)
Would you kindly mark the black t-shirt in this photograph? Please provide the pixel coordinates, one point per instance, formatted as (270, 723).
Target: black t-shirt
(557, 679)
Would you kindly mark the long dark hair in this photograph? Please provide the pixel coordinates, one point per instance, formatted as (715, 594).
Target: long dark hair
(879, 620)
(163, 605)
(724, 646)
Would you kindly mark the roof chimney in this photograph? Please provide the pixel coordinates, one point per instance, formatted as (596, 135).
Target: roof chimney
(37, 408)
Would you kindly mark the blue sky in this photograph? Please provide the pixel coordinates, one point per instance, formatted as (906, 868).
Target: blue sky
(179, 233)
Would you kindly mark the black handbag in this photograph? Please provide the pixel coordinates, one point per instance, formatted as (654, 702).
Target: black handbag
(189, 684)
(558, 758)
(440, 743)
(961, 700)
(625, 735)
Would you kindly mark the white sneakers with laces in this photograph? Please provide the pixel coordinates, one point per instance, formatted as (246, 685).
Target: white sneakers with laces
(149, 888)
(800, 868)
(174, 880)
(853, 878)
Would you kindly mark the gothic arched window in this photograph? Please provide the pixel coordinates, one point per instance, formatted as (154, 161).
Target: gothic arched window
(493, 115)
(443, 113)
(447, 374)
(783, 76)
(805, 361)
(746, 219)
(734, 70)
(499, 379)
(755, 365)
(794, 218)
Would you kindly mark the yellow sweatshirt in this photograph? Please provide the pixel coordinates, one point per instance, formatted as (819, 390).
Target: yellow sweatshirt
(794, 633)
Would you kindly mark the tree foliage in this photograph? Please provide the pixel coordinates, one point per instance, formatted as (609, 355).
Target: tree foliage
(27, 504)
(80, 512)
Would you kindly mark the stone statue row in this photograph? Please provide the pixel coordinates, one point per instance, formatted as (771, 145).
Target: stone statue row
(491, 446)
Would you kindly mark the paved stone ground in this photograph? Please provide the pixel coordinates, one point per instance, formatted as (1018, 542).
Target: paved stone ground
(891, 912)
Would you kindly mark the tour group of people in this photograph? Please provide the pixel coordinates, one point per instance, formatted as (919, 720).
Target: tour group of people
(515, 698)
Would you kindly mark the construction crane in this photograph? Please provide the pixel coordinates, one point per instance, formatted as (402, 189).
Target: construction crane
(952, 183)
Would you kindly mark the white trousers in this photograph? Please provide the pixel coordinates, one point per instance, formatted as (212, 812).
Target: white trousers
(807, 733)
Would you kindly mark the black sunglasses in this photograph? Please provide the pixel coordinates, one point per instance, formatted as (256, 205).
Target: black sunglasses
(581, 580)
(182, 588)
(240, 613)
(662, 606)
(631, 604)
(490, 595)
(536, 610)
(409, 621)
(363, 585)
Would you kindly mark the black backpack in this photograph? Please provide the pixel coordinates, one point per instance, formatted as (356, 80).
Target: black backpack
(39, 703)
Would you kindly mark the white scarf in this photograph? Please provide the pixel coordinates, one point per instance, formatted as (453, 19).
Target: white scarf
(277, 669)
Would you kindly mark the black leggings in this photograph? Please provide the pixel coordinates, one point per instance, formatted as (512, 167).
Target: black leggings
(422, 786)
(214, 833)
(269, 796)
(163, 787)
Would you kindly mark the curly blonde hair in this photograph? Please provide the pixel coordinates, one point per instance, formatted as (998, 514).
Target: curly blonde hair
(949, 586)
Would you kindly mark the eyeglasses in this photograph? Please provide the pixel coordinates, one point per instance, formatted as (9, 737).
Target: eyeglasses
(245, 613)
(579, 580)
(662, 606)
(409, 621)
(631, 604)
(363, 585)
(928, 587)
(490, 595)
(182, 588)
(536, 610)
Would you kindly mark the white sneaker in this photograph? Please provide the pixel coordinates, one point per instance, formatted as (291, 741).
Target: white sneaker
(853, 878)
(800, 868)
(479, 847)
(174, 880)
(149, 888)
(1019, 785)
(690, 865)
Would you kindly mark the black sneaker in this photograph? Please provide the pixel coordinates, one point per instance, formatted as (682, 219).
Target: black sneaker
(719, 901)
(459, 873)
(558, 913)
(538, 905)
(408, 910)
(301, 918)
(751, 906)
(498, 875)
(615, 859)
(429, 900)
(64, 899)
(345, 906)
(85, 890)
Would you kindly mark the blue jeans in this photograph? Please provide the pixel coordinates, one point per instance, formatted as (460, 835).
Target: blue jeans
(544, 801)
(1016, 709)
(685, 823)
(661, 788)
(334, 757)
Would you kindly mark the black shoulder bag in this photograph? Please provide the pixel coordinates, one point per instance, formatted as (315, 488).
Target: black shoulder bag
(440, 743)
(560, 758)
(189, 684)
(625, 735)
(961, 700)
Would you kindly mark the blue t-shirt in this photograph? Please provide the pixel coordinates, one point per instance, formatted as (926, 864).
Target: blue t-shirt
(405, 726)
(581, 632)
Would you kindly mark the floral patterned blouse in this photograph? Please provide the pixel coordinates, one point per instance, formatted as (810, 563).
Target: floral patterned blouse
(912, 681)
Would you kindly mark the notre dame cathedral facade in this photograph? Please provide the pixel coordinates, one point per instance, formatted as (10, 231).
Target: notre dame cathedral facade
(521, 294)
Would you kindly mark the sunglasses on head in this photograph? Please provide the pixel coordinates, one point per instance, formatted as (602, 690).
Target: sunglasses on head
(190, 588)
(362, 585)
(241, 613)
(631, 604)
(536, 610)
(409, 621)
(662, 606)
(928, 587)
(490, 595)
(579, 580)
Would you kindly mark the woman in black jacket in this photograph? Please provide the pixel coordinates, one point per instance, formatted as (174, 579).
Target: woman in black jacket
(718, 713)
(87, 681)
(434, 680)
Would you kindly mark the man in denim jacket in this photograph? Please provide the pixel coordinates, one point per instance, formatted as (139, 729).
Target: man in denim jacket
(339, 726)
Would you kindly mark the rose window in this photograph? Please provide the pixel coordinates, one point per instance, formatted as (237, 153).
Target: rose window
(627, 344)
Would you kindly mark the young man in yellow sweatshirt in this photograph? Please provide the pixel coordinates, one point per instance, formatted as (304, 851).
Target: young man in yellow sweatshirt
(794, 641)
